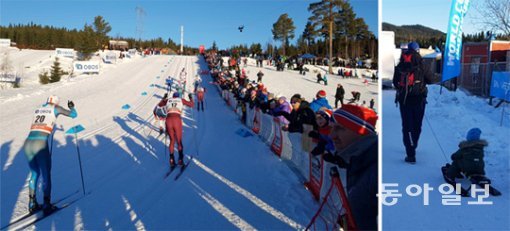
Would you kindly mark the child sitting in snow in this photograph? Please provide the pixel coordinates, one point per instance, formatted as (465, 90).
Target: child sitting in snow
(469, 158)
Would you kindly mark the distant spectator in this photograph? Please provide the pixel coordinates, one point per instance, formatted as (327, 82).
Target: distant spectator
(356, 96)
(320, 101)
(259, 76)
(322, 78)
(339, 96)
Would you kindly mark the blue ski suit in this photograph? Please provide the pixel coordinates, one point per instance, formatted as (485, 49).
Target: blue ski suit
(36, 145)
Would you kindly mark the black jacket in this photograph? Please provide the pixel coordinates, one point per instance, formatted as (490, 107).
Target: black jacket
(340, 92)
(296, 119)
(421, 71)
(362, 184)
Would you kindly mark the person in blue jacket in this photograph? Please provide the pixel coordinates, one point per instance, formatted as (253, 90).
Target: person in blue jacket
(320, 101)
(37, 151)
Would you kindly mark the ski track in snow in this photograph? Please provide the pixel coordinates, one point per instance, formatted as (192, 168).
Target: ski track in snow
(448, 117)
(124, 161)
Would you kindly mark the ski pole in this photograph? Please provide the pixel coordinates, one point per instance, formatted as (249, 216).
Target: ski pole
(51, 146)
(79, 160)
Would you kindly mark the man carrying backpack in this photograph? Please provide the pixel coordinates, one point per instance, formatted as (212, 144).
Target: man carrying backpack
(410, 80)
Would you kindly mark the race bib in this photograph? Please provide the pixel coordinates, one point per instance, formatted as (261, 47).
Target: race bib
(174, 106)
(44, 119)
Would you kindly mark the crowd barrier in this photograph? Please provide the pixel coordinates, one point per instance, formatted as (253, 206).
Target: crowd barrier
(294, 149)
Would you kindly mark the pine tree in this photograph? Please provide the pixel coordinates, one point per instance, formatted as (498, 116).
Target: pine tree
(44, 78)
(101, 28)
(56, 72)
(324, 14)
(87, 44)
(283, 30)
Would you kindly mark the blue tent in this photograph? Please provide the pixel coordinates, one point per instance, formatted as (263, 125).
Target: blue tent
(307, 56)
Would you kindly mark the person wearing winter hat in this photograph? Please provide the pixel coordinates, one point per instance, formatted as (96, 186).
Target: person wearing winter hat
(356, 144)
(282, 105)
(322, 116)
(300, 114)
(159, 113)
(320, 101)
(173, 123)
(469, 158)
(410, 80)
(339, 95)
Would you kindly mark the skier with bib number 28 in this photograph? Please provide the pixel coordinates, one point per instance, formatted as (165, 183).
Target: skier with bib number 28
(38, 153)
(174, 109)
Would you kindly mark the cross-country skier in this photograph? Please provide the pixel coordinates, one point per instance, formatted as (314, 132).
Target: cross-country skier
(174, 108)
(182, 76)
(200, 98)
(160, 112)
(37, 151)
(197, 82)
(169, 83)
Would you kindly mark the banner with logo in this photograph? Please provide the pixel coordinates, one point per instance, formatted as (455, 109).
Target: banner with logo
(500, 86)
(453, 47)
(86, 66)
(64, 52)
(315, 183)
(110, 58)
(5, 42)
(131, 53)
(277, 144)
(256, 120)
(9, 77)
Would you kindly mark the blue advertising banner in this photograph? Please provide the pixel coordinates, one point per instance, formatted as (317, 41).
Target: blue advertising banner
(500, 86)
(453, 47)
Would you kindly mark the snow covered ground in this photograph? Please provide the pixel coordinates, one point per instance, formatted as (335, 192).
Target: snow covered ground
(233, 182)
(448, 117)
(290, 82)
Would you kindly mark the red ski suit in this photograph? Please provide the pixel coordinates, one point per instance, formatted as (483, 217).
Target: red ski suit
(174, 123)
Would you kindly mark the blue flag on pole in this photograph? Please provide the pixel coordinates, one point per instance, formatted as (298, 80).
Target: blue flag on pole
(500, 86)
(453, 47)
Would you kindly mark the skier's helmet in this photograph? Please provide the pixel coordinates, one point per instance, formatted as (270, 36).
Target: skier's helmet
(176, 95)
(53, 100)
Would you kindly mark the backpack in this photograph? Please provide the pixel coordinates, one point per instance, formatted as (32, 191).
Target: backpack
(411, 81)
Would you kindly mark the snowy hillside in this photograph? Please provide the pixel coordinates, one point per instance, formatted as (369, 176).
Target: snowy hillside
(448, 117)
(233, 182)
(290, 82)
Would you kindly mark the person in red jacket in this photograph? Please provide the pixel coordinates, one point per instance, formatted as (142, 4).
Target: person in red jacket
(174, 107)
(160, 112)
(200, 98)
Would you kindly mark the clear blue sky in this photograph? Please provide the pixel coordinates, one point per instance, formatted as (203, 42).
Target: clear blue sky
(204, 21)
(430, 13)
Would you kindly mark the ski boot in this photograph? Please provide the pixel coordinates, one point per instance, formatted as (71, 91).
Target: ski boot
(47, 206)
(33, 206)
(181, 156)
(172, 161)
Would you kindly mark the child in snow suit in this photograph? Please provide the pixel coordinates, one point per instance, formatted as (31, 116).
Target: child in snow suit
(469, 158)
